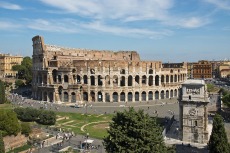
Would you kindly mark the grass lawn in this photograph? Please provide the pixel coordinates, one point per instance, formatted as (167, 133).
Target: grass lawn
(6, 106)
(25, 147)
(74, 122)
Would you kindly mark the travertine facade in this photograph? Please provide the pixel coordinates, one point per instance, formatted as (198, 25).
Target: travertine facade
(6, 63)
(193, 113)
(79, 75)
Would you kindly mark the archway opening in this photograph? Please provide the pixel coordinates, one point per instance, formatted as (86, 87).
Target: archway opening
(122, 97)
(167, 94)
(92, 78)
(137, 80)
(78, 79)
(130, 96)
(115, 97)
(85, 79)
(85, 96)
(100, 97)
(143, 96)
(66, 97)
(107, 97)
(130, 80)
(157, 80)
(137, 96)
(150, 95)
(73, 97)
(122, 83)
(54, 75)
(115, 80)
(66, 78)
(150, 80)
(156, 94)
(143, 80)
(100, 83)
(92, 95)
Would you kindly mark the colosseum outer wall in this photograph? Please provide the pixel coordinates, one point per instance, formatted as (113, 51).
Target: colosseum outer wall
(80, 75)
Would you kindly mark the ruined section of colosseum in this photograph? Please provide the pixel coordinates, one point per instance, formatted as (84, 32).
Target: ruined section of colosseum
(80, 75)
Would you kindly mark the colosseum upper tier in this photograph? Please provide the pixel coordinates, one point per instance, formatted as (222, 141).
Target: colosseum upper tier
(80, 75)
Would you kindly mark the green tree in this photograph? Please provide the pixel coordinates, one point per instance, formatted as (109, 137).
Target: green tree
(47, 117)
(226, 100)
(2, 93)
(9, 122)
(133, 131)
(26, 128)
(2, 146)
(19, 111)
(19, 83)
(218, 142)
(210, 87)
(25, 69)
(27, 114)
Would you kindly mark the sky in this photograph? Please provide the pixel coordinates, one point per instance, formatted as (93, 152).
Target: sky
(165, 30)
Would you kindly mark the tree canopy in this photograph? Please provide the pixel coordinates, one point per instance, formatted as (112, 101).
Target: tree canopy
(218, 142)
(25, 69)
(2, 93)
(134, 131)
(226, 97)
(2, 146)
(45, 117)
(9, 122)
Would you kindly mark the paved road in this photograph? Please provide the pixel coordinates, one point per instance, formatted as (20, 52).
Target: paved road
(161, 107)
(73, 142)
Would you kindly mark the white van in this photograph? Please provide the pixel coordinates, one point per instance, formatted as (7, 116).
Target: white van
(85, 145)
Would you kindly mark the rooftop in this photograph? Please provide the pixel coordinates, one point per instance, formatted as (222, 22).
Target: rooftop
(193, 81)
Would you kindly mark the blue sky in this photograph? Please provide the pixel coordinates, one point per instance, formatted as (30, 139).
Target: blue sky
(165, 30)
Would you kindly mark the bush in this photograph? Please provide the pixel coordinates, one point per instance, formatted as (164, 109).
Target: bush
(26, 128)
(19, 83)
(19, 111)
(2, 93)
(47, 117)
(9, 122)
(27, 114)
(2, 146)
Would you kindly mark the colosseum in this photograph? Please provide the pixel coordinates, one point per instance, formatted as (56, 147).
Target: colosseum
(67, 75)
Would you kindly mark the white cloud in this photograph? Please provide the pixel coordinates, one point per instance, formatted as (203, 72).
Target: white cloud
(50, 26)
(193, 22)
(157, 11)
(75, 26)
(6, 25)
(126, 31)
(115, 9)
(10, 6)
(189, 22)
(222, 4)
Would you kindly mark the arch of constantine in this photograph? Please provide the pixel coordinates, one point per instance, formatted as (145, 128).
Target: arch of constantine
(79, 75)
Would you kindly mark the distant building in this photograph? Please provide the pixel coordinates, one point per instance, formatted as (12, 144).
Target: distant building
(223, 69)
(193, 112)
(202, 70)
(225, 73)
(190, 70)
(7, 61)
